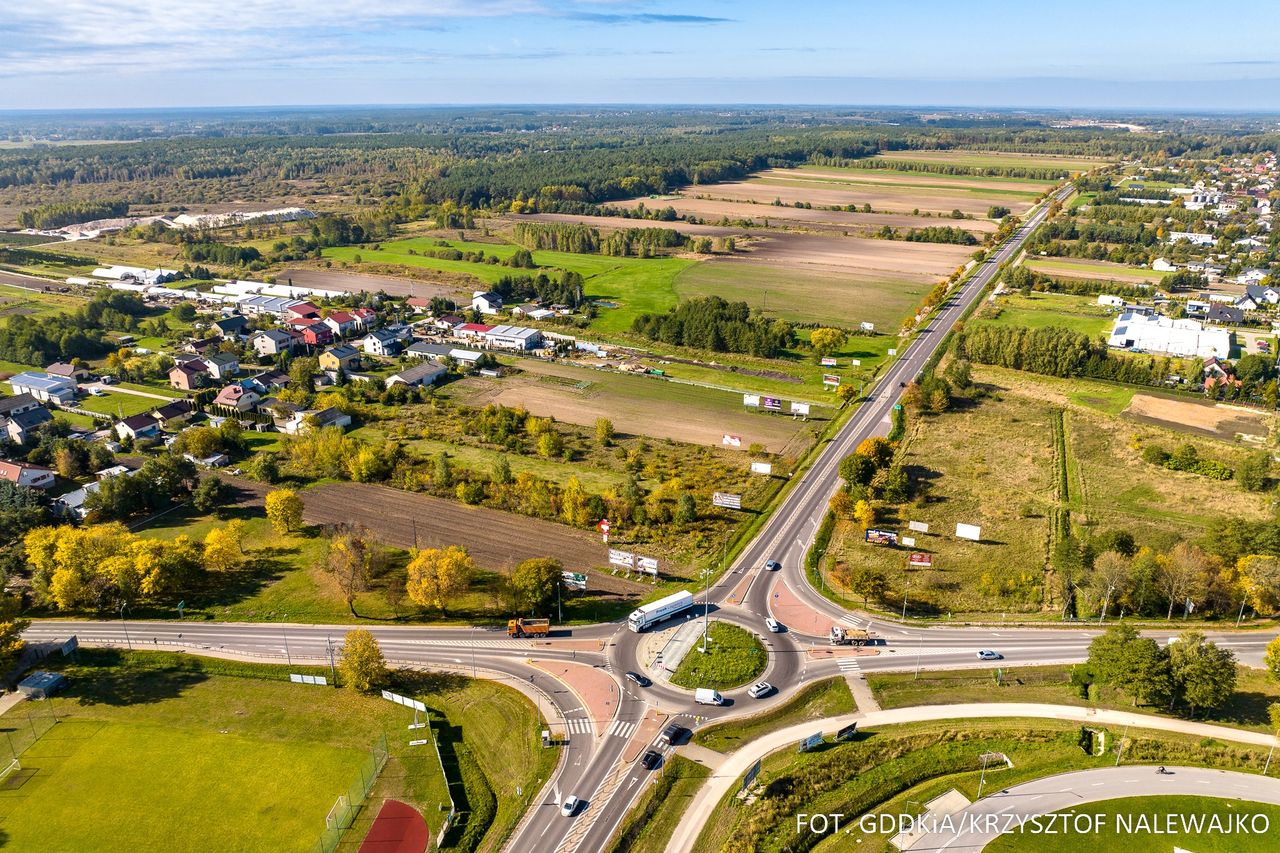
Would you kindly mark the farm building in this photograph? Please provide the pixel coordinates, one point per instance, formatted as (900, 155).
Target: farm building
(1174, 337)
(513, 337)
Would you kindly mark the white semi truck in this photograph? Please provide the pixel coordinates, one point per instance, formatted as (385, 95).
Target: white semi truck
(663, 608)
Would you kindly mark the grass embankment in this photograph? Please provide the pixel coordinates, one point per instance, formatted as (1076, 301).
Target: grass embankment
(1246, 709)
(1109, 840)
(819, 700)
(654, 817)
(893, 770)
(734, 657)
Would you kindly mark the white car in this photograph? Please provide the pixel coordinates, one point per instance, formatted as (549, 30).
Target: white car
(987, 654)
(773, 625)
(772, 565)
(760, 688)
(570, 806)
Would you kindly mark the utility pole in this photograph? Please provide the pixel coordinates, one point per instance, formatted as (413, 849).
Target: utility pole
(983, 778)
(125, 625)
(285, 633)
(1241, 614)
(1267, 766)
(333, 672)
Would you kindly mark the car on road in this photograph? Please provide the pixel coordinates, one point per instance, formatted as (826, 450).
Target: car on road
(671, 735)
(987, 654)
(760, 688)
(570, 806)
(773, 625)
(637, 678)
(772, 565)
(650, 759)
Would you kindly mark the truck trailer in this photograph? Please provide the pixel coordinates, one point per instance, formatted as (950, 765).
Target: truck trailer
(528, 627)
(663, 608)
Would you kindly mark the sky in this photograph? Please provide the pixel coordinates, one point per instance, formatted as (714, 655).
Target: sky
(1118, 54)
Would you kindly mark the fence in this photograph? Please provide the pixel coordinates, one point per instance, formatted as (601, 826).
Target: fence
(40, 717)
(349, 803)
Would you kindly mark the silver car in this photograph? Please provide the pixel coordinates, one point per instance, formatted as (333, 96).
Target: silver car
(760, 688)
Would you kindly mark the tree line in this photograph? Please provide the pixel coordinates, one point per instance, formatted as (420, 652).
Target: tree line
(711, 323)
(60, 213)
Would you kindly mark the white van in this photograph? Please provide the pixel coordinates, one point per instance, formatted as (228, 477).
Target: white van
(704, 696)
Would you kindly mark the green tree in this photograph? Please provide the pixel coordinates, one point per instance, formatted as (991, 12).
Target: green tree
(284, 510)
(1252, 473)
(1204, 674)
(550, 444)
(604, 432)
(686, 509)
(535, 583)
(363, 667)
(211, 494)
(866, 582)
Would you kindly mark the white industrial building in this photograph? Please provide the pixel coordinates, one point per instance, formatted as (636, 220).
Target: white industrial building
(1163, 335)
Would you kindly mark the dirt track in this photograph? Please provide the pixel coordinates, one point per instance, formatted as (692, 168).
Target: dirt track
(616, 222)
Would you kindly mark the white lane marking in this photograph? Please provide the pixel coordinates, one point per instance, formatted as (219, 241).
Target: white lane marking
(622, 729)
(578, 725)
(848, 665)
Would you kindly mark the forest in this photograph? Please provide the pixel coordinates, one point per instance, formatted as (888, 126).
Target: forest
(711, 323)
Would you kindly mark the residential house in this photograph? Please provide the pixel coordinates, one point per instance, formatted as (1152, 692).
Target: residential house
(342, 323)
(1111, 301)
(273, 342)
(20, 425)
(138, 426)
(486, 302)
(240, 396)
(270, 380)
(217, 460)
(341, 357)
(1263, 294)
(513, 337)
(25, 474)
(1224, 316)
(68, 371)
(222, 365)
(1162, 265)
(1197, 307)
(1192, 238)
(305, 421)
(203, 346)
(419, 304)
(364, 316)
(42, 386)
(447, 323)
(233, 327)
(1245, 302)
(424, 373)
(427, 350)
(471, 331)
(300, 311)
(1252, 276)
(381, 342)
(188, 375)
(173, 414)
(10, 406)
(314, 332)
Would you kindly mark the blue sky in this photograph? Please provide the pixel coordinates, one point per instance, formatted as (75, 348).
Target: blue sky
(1117, 54)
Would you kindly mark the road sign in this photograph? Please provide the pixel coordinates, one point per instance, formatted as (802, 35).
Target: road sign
(751, 774)
(181, 606)
(811, 742)
(604, 526)
(761, 468)
(70, 646)
(881, 537)
(830, 379)
(920, 561)
(969, 531)
(574, 580)
(731, 440)
(726, 500)
(622, 558)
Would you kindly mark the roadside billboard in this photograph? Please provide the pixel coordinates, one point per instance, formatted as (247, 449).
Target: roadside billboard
(920, 561)
(761, 467)
(856, 362)
(867, 327)
(830, 379)
(828, 361)
(918, 526)
(771, 403)
(969, 531)
(811, 742)
(647, 565)
(726, 500)
(799, 408)
(732, 440)
(750, 399)
(574, 580)
(622, 558)
(881, 537)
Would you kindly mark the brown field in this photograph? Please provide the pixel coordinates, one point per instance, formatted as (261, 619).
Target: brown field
(812, 218)
(854, 254)
(639, 405)
(616, 222)
(1073, 268)
(887, 197)
(1211, 419)
(993, 158)
(884, 176)
(365, 283)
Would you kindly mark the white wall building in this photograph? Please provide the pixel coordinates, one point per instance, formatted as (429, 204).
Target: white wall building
(1182, 338)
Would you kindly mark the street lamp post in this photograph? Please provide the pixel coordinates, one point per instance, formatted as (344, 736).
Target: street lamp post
(1241, 614)
(983, 778)
(125, 625)
(905, 587)
(284, 632)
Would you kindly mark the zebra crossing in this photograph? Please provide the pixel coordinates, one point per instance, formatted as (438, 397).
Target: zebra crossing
(848, 664)
(578, 725)
(851, 621)
(622, 729)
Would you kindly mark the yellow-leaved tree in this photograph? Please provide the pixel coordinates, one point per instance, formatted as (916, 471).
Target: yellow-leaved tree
(284, 510)
(438, 574)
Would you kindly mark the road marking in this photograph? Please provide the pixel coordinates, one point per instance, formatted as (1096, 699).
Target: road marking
(578, 725)
(848, 665)
(621, 728)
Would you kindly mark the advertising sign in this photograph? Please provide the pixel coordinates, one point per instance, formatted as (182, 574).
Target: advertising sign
(574, 580)
(847, 732)
(828, 361)
(969, 531)
(881, 537)
(761, 468)
(918, 526)
(908, 541)
(727, 500)
(70, 646)
(893, 352)
(830, 379)
(751, 774)
(771, 403)
(750, 399)
(404, 700)
(811, 742)
(647, 565)
(307, 679)
(799, 408)
(621, 558)
(732, 440)
(920, 561)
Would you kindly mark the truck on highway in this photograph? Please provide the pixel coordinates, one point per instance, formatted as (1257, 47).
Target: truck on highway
(848, 637)
(663, 608)
(528, 627)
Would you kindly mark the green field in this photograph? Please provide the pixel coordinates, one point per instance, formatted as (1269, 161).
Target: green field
(1114, 839)
(991, 159)
(815, 701)
(118, 405)
(806, 297)
(1037, 310)
(1093, 269)
(734, 657)
(17, 300)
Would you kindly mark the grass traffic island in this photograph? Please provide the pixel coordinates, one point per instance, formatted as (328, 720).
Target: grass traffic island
(162, 751)
(1120, 833)
(817, 701)
(734, 657)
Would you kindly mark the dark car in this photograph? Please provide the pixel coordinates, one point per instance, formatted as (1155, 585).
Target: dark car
(671, 735)
(650, 759)
(638, 679)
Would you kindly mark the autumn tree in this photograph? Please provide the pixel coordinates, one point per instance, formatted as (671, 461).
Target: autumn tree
(284, 510)
(354, 558)
(1110, 577)
(604, 432)
(1182, 573)
(826, 341)
(879, 450)
(438, 574)
(224, 547)
(363, 667)
(864, 514)
(535, 583)
(11, 628)
(1260, 576)
(1272, 658)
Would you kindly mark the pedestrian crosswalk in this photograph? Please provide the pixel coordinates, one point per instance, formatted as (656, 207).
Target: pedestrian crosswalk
(852, 621)
(578, 725)
(621, 728)
(848, 664)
